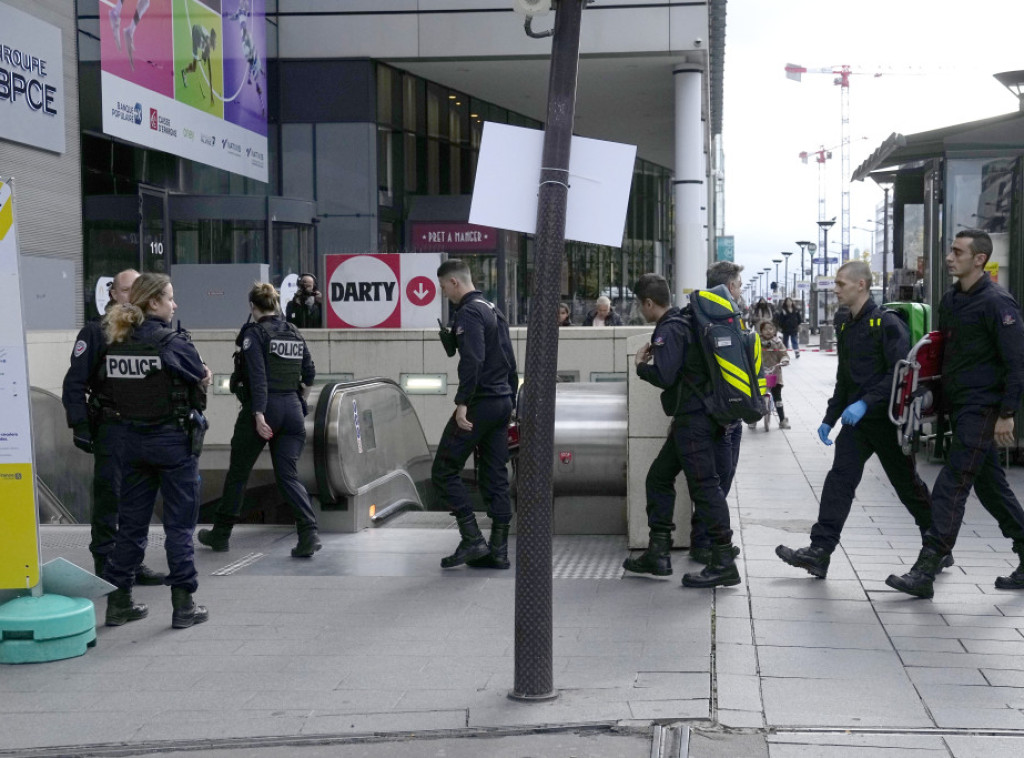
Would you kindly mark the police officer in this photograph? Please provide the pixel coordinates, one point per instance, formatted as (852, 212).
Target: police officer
(155, 381)
(278, 374)
(483, 406)
(982, 383)
(870, 341)
(727, 452)
(88, 408)
(693, 445)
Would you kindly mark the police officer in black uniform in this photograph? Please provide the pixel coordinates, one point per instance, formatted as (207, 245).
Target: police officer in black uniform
(278, 374)
(982, 383)
(156, 383)
(88, 409)
(870, 341)
(693, 445)
(488, 381)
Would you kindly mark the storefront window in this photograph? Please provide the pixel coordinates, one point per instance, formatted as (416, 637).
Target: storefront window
(979, 196)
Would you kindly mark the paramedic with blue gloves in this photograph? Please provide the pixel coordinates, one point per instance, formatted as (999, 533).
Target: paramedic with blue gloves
(870, 342)
(156, 382)
(278, 374)
(691, 444)
(488, 381)
(982, 384)
(88, 411)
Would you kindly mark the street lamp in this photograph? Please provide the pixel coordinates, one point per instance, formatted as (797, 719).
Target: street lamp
(767, 276)
(786, 254)
(776, 261)
(825, 226)
(803, 246)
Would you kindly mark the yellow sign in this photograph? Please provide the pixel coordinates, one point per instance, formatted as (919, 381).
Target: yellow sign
(993, 271)
(19, 527)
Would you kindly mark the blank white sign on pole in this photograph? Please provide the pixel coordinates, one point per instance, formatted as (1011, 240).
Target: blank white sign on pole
(508, 174)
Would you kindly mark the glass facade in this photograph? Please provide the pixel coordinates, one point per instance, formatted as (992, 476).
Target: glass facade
(414, 138)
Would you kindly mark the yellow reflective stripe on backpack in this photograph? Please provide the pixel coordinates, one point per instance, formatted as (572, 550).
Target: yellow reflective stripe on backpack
(716, 299)
(733, 374)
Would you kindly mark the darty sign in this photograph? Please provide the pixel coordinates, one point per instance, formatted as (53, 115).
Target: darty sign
(382, 291)
(439, 236)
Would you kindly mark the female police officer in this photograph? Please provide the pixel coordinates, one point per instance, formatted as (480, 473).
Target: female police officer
(278, 374)
(156, 382)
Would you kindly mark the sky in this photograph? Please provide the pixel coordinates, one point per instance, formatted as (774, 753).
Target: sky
(949, 50)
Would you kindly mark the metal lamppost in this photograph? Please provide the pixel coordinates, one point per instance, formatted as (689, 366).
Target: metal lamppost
(534, 622)
(777, 261)
(803, 246)
(786, 254)
(825, 226)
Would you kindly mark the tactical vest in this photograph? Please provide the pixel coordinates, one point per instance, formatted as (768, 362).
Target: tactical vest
(140, 387)
(283, 349)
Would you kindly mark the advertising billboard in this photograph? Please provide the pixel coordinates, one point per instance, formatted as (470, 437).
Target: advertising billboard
(188, 78)
(383, 291)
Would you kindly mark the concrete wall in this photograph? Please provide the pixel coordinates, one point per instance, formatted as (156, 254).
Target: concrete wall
(363, 353)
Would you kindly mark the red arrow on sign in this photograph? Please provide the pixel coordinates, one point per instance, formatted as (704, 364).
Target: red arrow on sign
(420, 290)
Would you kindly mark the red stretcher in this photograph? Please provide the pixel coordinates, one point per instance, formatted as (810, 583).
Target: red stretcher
(914, 399)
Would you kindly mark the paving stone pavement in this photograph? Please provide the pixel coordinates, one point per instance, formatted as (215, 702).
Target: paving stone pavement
(370, 649)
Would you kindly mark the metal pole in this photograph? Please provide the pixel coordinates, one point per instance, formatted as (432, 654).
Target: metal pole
(824, 267)
(534, 666)
(885, 244)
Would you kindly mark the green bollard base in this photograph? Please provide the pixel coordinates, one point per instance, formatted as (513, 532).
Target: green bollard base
(46, 628)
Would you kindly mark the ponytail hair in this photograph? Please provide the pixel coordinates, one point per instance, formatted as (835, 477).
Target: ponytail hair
(120, 320)
(265, 297)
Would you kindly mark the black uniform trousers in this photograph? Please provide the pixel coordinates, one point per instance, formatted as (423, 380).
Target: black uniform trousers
(284, 417)
(151, 458)
(727, 456)
(854, 445)
(106, 486)
(973, 461)
(695, 447)
(490, 417)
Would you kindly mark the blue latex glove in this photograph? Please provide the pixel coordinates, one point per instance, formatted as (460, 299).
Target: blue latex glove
(854, 413)
(823, 431)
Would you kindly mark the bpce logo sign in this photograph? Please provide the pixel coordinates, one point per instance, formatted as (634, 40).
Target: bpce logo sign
(363, 291)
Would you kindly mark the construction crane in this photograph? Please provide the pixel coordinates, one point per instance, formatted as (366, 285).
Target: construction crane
(820, 155)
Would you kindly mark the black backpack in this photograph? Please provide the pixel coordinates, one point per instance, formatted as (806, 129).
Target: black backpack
(732, 355)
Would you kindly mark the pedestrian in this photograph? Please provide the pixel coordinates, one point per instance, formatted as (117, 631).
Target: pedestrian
(88, 410)
(761, 311)
(488, 381)
(564, 315)
(693, 445)
(278, 373)
(982, 382)
(727, 452)
(869, 344)
(774, 357)
(602, 315)
(305, 309)
(157, 388)
(788, 320)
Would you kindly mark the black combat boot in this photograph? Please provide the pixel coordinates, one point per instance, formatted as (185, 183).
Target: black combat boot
(947, 560)
(309, 543)
(721, 572)
(918, 581)
(703, 554)
(498, 544)
(655, 559)
(121, 609)
(814, 559)
(217, 538)
(471, 547)
(186, 612)
(1014, 581)
(147, 577)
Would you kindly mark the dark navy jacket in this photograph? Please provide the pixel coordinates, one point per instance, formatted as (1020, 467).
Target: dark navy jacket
(676, 353)
(254, 348)
(869, 344)
(81, 378)
(487, 362)
(983, 355)
(179, 355)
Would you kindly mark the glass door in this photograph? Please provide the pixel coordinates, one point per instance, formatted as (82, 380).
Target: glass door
(154, 241)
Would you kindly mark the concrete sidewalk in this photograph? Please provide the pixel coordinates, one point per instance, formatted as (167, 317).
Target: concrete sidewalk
(370, 649)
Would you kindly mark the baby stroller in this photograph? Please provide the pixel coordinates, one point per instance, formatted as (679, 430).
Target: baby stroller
(914, 398)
